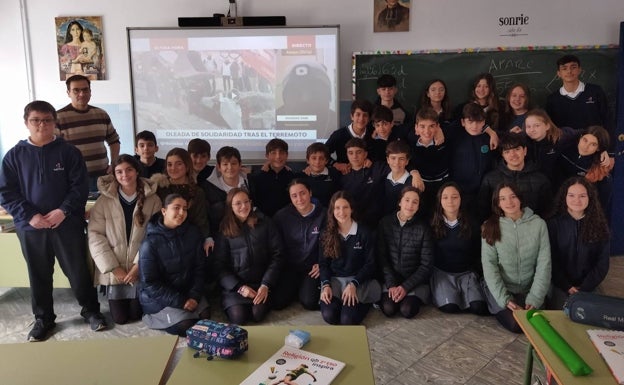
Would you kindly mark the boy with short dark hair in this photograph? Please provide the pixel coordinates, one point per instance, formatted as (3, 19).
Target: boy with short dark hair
(397, 157)
(269, 189)
(387, 90)
(359, 128)
(364, 183)
(534, 186)
(44, 186)
(324, 181)
(384, 133)
(199, 149)
(577, 104)
(430, 157)
(470, 155)
(145, 147)
(226, 175)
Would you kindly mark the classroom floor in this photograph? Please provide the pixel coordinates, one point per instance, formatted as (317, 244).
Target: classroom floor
(433, 348)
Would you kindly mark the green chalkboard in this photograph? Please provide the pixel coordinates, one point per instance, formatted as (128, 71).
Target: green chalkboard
(534, 66)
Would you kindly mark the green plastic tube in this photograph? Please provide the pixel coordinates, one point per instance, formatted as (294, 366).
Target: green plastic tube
(564, 351)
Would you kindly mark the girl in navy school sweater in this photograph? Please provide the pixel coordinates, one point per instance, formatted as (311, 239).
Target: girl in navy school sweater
(579, 241)
(347, 265)
(455, 285)
(300, 225)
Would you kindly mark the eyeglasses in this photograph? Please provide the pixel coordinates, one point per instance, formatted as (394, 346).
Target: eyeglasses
(241, 204)
(37, 121)
(78, 91)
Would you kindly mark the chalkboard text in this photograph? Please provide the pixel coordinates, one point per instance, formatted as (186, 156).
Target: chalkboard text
(376, 70)
(509, 64)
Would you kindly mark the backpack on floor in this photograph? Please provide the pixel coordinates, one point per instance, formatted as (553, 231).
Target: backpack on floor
(217, 339)
(595, 309)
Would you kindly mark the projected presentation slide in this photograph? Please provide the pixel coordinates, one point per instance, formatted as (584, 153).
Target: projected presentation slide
(235, 86)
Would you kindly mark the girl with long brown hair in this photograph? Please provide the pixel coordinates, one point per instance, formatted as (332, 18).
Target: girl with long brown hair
(515, 253)
(346, 264)
(179, 178)
(579, 241)
(248, 259)
(117, 225)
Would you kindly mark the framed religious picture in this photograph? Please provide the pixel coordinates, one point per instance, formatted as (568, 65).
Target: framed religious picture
(80, 47)
(391, 15)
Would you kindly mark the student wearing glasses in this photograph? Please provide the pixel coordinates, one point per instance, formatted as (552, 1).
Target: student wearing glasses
(84, 126)
(43, 185)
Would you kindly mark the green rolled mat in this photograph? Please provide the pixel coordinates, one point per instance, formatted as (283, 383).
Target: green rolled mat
(570, 358)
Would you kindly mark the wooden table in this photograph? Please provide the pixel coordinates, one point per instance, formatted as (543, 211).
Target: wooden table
(348, 344)
(574, 333)
(96, 361)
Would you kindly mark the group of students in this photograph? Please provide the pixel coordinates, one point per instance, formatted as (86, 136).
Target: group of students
(393, 219)
(344, 240)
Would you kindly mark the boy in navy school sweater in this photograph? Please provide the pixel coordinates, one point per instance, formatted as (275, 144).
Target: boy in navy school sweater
(397, 157)
(145, 148)
(359, 128)
(385, 132)
(364, 183)
(269, 189)
(470, 153)
(43, 185)
(429, 156)
(324, 181)
(577, 104)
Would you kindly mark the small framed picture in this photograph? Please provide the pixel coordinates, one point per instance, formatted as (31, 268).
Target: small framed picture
(80, 47)
(391, 15)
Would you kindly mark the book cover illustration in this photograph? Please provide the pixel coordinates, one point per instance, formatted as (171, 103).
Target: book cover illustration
(610, 345)
(292, 366)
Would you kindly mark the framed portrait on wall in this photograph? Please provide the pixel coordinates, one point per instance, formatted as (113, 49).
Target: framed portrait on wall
(80, 47)
(391, 15)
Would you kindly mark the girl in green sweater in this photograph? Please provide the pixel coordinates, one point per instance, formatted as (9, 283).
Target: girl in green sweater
(515, 253)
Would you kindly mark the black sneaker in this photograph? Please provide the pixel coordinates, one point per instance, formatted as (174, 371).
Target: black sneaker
(96, 321)
(40, 331)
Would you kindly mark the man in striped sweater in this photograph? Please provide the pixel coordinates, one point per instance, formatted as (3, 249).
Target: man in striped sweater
(88, 127)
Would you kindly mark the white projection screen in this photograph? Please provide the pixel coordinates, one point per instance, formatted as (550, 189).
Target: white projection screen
(236, 87)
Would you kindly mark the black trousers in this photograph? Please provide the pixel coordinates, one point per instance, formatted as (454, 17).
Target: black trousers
(68, 244)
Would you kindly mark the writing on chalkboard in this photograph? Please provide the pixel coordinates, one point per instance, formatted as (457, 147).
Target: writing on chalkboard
(507, 64)
(376, 70)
